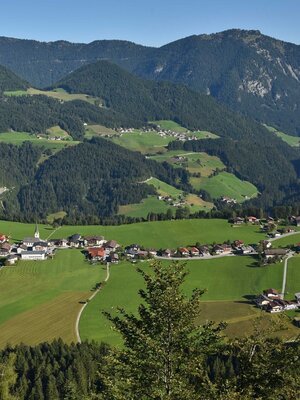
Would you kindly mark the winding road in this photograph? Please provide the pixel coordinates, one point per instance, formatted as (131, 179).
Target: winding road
(86, 303)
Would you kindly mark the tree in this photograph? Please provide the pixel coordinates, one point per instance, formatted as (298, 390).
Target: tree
(8, 377)
(164, 348)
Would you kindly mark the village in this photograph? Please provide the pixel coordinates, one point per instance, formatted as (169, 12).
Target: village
(98, 250)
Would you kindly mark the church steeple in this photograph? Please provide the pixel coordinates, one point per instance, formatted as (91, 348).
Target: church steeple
(36, 232)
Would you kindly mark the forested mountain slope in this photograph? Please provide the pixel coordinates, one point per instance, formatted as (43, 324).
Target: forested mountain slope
(10, 81)
(88, 181)
(250, 72)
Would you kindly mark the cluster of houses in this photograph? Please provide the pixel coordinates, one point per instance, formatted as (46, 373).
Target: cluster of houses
(30, 248)
(34, 248)
(236, 247)
(179, 202)
(272, 301)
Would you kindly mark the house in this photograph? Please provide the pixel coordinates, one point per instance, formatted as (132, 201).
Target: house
(272, 253)
(237, 244)
(271, 293)
(183, 252)
(296, 322)
(30, 241)
(252, 220)
(166, 253)
(194, 252)
(297, 297)
(39, 246)
(62, 243)
(222, 249)
(143, 254)
(111, 245)
(152, 252)
(296, 220)
(237, 221)
(5, 249)
(246, 250)
(94, 240)
(74, 240)
(96, 253)
(33, 255)
(275, 234)
(266, 244)
(3, 238)
(274, 307)
(204, 251)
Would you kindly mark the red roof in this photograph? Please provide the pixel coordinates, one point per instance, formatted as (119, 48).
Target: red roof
(2, 236)
(96, 251)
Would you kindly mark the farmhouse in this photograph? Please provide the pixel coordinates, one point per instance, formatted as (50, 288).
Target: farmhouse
(75, 240)
(111, 245)
(272, 253)
(12, 259)
(96, 253)
(5, 249)
(94, 240)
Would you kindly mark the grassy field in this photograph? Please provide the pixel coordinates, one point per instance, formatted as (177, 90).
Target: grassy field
(151, 203)
(229, 283)
(44, 296)
(57, 131)
(226, 184)
(144, 142)
(169, 125)
(17, 138)
(150, 234)
(59, 94)
(98, 130)
(193, 201)
(196, 163)
(293, 141)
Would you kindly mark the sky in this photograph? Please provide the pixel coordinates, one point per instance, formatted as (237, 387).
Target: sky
(148, 22)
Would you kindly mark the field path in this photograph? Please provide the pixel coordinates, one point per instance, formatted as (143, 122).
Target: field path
(85, 304)
(52, 233)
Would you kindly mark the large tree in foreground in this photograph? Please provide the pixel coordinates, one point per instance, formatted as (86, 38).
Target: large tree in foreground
(164, 348)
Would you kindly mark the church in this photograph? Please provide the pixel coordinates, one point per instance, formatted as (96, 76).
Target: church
(34, 248)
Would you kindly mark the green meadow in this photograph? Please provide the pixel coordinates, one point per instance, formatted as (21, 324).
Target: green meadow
(157, 234)
(226, 184)
(17, 138)
(59, 94)
(45, 297)
(229, 282)
(144, 142)
(293, 141)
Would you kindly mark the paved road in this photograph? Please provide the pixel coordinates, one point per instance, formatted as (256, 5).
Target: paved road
(285, 272)
(283, 236)
(84, 305)
(195, 258)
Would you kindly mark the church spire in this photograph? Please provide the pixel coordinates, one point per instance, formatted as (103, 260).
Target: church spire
(36, 231)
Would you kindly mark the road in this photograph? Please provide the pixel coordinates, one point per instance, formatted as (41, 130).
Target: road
(195, 258)
(290, 255)
(85, 304)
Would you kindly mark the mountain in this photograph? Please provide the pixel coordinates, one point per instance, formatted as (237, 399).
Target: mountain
(10, 81)
(252, 73)
(132, 101)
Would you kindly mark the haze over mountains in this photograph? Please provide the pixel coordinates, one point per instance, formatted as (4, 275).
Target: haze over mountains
(251, 73)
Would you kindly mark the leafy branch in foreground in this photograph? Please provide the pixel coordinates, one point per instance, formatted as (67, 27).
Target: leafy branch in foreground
(164, 348)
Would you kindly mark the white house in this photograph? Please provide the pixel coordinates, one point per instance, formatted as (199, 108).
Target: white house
(33, 255)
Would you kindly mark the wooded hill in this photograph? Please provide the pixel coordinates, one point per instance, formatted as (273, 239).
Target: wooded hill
(10, 81)
(88, 181)
(250, 72)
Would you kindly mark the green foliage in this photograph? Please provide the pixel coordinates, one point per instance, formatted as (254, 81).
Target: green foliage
(164, 348)
(10, 81)
(8, 377)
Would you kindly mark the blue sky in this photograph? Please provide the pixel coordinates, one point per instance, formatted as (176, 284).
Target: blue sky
(149, 22)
